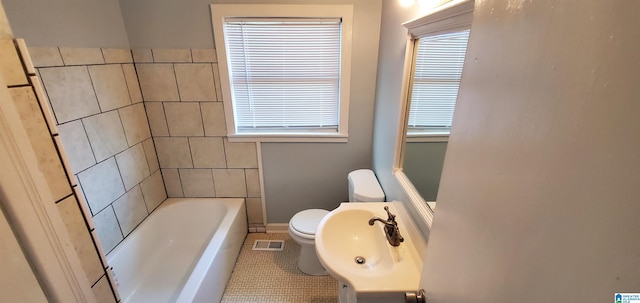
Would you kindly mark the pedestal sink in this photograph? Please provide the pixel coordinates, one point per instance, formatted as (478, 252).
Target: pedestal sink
(359, 255)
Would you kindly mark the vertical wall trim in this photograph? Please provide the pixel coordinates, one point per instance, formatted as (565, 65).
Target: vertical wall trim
(261, 174)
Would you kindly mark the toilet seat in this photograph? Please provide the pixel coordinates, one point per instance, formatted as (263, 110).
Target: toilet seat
(304, 223)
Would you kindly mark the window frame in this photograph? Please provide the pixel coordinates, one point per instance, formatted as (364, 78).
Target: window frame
(219, 12)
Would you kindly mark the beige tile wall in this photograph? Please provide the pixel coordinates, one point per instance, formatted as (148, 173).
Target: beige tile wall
(97, 103)
(183, 100)
(33, 107)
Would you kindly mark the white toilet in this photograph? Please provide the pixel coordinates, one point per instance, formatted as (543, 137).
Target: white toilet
(363, 187)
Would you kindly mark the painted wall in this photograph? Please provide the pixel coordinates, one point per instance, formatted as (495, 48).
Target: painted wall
(393, 41)
(299, 176)
(69, 23)
(540, 184)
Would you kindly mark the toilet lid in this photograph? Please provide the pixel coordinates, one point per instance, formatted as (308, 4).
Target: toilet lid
(307, 221)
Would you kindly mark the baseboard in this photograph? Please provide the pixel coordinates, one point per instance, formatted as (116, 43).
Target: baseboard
(277, 228)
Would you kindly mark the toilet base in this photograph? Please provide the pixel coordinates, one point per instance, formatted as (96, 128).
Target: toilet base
(308, 261)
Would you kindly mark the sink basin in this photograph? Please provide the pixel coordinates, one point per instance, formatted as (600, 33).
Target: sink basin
(345, 235)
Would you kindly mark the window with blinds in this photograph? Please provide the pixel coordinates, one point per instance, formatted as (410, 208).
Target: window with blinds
(435, 81)
(284, 74)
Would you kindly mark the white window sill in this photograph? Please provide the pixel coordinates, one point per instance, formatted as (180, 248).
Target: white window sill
(298, 137)
(430, 137)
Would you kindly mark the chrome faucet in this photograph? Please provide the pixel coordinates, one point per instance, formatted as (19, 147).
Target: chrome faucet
(390, 228)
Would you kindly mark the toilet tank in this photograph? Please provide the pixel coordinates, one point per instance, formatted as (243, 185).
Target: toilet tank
(364, 187)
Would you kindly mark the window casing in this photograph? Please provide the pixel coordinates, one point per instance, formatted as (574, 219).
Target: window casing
(285, 71)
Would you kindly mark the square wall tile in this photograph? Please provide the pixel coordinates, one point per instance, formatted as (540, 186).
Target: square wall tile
(130, 210)
(153, 191)
(158, 82)
(81, 56)
(76, 145)
(101, 184)
(195, 82)
(172, 182)
(80, 238)
(105, 134)
(45, 56)
(110, 86)
(133, 167)
(142, 55)
(108, 229)
(173, 152)
(207, 152)
(133, 85)
(229, 183)
(241, 154)
(197, 183)
(135, 123)
(102, 291)
(171, 55)
(150, 153)
(213, 119)
(33, 121)
(70, 92)
(184, 118)
(254, 210)
(157, 119)
(117, 55)
(253, 183)
(10, 65)
(204, 55)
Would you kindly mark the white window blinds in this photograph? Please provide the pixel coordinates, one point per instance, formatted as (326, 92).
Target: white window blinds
(436, 78)
(284, 74)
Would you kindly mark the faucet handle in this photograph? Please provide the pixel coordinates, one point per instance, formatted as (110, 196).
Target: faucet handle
(391, 217)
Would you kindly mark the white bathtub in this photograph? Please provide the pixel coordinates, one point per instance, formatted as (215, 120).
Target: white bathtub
(184, 251)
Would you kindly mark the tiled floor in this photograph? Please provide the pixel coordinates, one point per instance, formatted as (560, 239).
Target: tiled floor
(273, 276)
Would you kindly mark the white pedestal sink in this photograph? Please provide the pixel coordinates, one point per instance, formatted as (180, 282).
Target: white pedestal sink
(344, 240)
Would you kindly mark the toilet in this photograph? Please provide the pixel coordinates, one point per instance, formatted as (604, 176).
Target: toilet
(363, 187)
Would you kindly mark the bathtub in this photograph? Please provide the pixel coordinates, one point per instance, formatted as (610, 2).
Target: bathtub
(184, 251)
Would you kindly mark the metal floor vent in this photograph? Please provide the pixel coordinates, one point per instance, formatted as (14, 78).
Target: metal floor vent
(268, 245)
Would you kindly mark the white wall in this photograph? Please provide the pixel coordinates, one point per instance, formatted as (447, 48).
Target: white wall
(69, 23)
(540, 184)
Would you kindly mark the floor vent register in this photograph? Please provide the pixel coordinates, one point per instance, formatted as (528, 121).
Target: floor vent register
(268, 245)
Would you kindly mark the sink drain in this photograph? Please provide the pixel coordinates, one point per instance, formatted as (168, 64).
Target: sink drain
(360, 260)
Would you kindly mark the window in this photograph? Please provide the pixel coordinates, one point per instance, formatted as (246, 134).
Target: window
(435, 81)
(284, 70)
